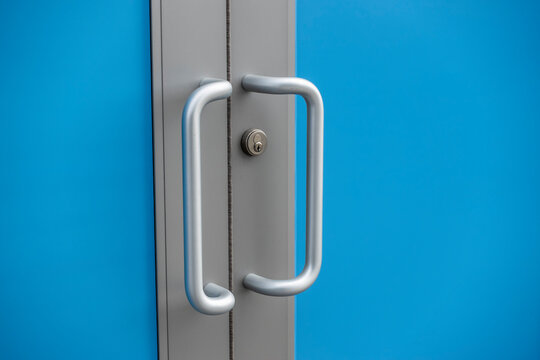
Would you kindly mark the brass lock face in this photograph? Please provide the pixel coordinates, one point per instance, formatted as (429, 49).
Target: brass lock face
(254, 142)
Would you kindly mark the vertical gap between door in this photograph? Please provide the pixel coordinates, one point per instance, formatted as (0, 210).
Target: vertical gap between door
(229, 174)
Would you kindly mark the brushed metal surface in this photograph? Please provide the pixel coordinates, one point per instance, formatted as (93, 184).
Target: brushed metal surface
(262, 38)
(179, 61)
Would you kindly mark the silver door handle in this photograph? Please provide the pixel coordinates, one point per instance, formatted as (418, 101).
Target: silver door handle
(211, 299)
(315, 131)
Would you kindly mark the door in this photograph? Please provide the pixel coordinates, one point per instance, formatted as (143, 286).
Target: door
(161, 183)
(431, 196)
(77, 269)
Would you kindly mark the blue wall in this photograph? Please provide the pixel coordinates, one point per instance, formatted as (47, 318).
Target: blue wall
(76, 209)
(432, 179)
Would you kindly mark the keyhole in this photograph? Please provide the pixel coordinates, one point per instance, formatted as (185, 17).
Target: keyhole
(258, 146)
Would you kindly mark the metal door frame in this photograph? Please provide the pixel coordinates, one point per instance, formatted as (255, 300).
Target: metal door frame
(193, 39)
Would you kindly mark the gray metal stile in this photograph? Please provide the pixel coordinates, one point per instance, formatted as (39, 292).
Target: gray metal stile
(188, 44)
(263, 42)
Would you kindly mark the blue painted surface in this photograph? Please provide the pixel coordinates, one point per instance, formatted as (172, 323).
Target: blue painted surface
(76, 210)
(432, 179)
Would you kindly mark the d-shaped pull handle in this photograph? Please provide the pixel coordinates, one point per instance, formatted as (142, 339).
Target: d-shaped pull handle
(315, 131)
(211, 299)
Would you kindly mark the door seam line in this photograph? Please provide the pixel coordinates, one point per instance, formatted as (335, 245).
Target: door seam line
(229, 175)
